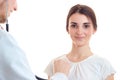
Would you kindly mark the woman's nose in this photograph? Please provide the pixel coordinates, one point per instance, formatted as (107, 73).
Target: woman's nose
(79, 30)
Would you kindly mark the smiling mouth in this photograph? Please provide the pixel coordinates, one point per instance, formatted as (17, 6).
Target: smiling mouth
(79, 38)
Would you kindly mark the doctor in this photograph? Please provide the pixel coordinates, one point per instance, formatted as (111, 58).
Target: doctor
(13, 62)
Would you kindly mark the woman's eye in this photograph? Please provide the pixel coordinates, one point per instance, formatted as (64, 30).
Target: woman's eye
(73, 26)
(86, 26)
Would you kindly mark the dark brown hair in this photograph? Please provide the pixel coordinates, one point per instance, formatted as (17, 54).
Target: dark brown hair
(82, 9)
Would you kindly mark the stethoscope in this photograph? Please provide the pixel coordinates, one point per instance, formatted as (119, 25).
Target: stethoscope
(7, 25)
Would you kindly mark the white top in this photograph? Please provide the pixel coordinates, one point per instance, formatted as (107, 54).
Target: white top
(92, 68)
(13, 62)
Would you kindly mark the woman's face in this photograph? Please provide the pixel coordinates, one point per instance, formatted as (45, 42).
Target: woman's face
(80, 29)
(12, 5)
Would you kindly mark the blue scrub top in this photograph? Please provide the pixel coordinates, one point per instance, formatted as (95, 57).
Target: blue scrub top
(13, 61)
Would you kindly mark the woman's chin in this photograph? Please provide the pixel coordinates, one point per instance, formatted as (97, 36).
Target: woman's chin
(78, 44)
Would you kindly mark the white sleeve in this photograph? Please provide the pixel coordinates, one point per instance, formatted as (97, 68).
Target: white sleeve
(13, 61)
(107, 69)
(59, 76)
(49, 69)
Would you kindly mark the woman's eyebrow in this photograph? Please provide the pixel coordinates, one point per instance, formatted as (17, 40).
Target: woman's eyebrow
(73, 23)
(87, 23)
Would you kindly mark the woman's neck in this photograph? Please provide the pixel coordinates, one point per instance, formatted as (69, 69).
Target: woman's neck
(79, 53)
(81, 50)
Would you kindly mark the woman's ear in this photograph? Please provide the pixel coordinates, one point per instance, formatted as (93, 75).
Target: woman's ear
(94, 31)
(68, 31)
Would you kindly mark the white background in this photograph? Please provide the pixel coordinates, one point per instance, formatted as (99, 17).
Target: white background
(39, 28)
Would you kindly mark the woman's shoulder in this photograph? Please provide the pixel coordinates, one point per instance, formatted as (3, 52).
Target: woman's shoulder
(106, 67)
(100, 60)
(102, 63)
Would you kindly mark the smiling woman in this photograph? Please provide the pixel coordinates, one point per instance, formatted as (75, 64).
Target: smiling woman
(80, 31)
(84, 65)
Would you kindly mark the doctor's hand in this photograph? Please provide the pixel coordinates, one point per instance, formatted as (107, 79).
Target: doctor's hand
(61, 66)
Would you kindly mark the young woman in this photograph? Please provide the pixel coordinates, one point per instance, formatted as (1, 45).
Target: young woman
(84, 65)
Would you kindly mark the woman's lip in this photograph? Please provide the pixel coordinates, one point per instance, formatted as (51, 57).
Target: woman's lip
(79, 37)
